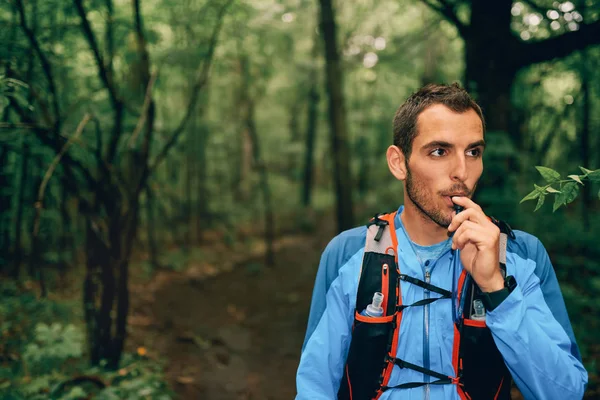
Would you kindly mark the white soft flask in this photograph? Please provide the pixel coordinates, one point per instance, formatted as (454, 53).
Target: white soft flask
(374, 309)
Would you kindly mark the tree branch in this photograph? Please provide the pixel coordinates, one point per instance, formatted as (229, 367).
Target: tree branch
(144, 113)
(558, 46)
(91, 39)
(106, 78)
(46, 66)
(50, 171)
(446, 10)
(202, 78)
(54, 144)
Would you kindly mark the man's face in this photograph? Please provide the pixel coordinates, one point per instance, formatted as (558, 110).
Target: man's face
(446, 160)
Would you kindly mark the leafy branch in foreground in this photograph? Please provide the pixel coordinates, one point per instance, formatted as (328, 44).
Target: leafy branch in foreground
(565, 190)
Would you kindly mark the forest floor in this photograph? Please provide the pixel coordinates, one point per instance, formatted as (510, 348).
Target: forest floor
(229, 329)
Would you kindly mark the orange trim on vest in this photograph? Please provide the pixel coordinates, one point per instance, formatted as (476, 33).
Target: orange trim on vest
(387, 372)
(456, 362)
(499, 389)
(373, 320)
(385, 286)
(349, 384)
(475, 323)
(390, 220)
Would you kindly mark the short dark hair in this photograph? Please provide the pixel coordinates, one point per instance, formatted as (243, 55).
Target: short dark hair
(405, 121)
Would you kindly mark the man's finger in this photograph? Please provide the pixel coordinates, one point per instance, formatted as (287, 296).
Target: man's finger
(468, 231)
(467, 215)
(465, 202)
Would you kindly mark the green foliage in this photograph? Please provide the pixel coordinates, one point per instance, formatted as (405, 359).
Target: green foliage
(53, 344)
(565, 190)
(44, 345)
(10, 87)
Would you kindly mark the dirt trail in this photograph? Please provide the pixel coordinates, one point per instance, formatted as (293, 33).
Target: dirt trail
(235, 334)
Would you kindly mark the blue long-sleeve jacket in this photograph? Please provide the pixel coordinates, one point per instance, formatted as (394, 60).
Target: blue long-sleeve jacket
(531, 327)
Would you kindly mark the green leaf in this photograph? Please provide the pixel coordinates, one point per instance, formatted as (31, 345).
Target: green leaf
(550, 189)
(594, 176)
(568, 194)
(531, 196)
(3, 102)
(585, 170)
(540, 202)
(557, 203)
(548, 174)
(576, 178)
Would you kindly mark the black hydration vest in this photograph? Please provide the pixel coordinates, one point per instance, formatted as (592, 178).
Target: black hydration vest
(480, 371)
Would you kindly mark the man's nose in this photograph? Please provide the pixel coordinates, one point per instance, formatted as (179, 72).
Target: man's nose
(459, 168)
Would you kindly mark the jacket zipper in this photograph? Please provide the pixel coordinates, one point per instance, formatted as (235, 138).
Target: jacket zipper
(426, 337)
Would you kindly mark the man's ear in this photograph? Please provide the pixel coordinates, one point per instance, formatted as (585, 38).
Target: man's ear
(396, 162)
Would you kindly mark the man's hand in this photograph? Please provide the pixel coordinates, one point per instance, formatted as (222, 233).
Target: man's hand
(478, 239)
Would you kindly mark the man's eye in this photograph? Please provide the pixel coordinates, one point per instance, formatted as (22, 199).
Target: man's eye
(474, 152)
(438, 152)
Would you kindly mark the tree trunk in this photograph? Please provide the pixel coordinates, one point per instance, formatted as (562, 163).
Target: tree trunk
(190, 171)
(151, 228)
(264, 187)
(337, 118)
(5, 184)
(311, 126)
(584, 141)
(311, 134)
(96, 253)
(5, 207)
(64, 242)
(489, 68)
(259, 163)
(18, 255)
(202, 215)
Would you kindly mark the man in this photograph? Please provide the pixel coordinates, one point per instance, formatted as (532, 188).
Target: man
(437, 154)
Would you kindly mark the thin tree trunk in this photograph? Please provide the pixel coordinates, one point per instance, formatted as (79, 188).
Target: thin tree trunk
(188, 219)
(36, 268)
(64, 242)
(6, 206)
(337, 118)
(151, 229)
(584, 142)
(264, 187)
(5, 182)
(18, 256)
(202, 215)
(259, 163)
(311, 127)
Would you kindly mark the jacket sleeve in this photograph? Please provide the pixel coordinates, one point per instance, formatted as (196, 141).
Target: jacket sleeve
(323, 359)
(535, 347)
(552, 293)
(325, 275)
(335, 255)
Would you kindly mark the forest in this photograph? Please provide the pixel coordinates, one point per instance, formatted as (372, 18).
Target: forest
(171, 171)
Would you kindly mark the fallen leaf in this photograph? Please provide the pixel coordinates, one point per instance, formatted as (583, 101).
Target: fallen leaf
(185, 380)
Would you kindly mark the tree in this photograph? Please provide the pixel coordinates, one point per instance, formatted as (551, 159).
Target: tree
(494, 55)
(108, 182)
(337, 118)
